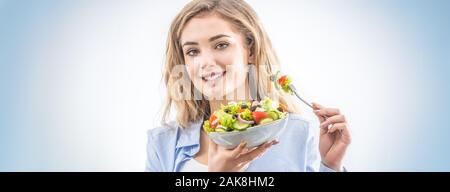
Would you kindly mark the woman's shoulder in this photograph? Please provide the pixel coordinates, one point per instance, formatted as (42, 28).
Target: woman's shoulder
(163, 132)
(163, 129)
(160, 146)
(173, 131)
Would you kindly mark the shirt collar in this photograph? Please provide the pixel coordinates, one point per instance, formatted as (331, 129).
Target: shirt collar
(190, 135)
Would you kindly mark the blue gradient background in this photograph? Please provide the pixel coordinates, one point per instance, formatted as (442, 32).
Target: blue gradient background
(78, 78)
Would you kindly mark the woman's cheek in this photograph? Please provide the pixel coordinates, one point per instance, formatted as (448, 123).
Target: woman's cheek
(227, 57)
(236, 75)
(191, 68)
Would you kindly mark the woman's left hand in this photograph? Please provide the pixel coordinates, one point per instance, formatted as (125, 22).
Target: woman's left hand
(334, 139)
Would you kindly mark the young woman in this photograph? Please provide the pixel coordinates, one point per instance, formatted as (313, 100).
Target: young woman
(212, 48)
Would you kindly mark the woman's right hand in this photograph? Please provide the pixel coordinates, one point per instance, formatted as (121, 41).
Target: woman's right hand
(234, 160)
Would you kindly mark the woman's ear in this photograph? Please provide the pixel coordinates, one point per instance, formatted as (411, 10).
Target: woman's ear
(249, 40)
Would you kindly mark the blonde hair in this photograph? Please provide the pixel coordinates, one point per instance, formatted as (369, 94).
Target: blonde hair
(244, 18)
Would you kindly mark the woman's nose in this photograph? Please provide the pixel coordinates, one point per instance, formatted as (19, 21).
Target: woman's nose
(206, 60)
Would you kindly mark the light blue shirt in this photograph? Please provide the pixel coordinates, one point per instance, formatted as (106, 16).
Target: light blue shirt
(170, 147)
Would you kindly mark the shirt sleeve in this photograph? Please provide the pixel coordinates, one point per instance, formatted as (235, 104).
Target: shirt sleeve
(324, 168)
(153, 163)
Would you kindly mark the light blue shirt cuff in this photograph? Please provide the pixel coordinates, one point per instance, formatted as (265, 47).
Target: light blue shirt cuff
(324, 168)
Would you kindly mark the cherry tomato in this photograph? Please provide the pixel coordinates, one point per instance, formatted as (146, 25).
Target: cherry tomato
(259, 115)
(282, 80)
(213, 121)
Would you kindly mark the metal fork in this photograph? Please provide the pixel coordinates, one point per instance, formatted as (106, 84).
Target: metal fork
(273, 78)
(294, 90)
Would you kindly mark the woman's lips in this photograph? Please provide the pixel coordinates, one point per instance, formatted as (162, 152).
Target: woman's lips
(212, 77)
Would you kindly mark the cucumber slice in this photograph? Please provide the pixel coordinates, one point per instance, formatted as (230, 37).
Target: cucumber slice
(265, 121)
(220, 130)
(240, 126)
(273, 115)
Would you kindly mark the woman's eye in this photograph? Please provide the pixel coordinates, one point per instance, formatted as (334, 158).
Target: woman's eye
(222, 45)
(192, 53)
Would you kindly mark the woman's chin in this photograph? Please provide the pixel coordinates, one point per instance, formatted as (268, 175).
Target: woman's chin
(213, 94)
(218, 92)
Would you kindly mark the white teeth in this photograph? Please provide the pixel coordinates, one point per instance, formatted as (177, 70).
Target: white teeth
(213, 76)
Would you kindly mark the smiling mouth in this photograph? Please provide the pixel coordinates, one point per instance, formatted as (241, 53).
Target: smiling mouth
(213, 76)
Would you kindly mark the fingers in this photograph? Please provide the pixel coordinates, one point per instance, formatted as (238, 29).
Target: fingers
(317, 108)
(332, 120)
(274, 142)
(239, 149)
(328, 112)
(255, 153)
(344, 131)
(346, 138)
(321, 118)
(212, 147)
(337, 126)
(243, 166)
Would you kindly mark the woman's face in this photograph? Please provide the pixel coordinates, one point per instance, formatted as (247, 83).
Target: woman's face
(216, 57)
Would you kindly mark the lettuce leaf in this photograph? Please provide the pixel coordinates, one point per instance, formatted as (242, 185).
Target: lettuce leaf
(268, 105)
(247, 115)
(207, 127)
(230, 108)
(286, 87)
(227, 120)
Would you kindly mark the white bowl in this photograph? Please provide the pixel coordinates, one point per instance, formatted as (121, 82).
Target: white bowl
(254, 136)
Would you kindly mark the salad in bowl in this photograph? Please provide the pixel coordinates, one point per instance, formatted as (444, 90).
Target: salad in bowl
(254, 122)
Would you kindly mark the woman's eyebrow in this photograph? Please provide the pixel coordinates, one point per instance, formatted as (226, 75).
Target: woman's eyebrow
(189, 43)
(217, 37)
(210, 39)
